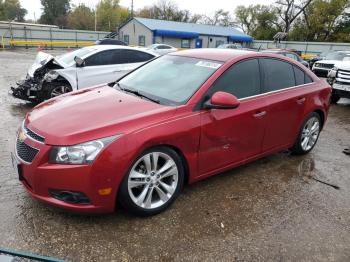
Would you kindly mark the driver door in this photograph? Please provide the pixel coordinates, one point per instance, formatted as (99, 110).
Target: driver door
(231, 136)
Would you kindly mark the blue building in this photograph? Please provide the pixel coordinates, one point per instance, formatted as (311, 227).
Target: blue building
(144, 31)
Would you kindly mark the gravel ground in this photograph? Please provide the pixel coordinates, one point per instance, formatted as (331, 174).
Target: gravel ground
(270, 210)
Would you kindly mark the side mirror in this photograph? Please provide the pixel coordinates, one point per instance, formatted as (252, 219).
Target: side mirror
(79, 61)
(222, 100)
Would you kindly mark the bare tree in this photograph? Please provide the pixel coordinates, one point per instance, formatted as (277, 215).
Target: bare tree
(220, 17)
(289, 10)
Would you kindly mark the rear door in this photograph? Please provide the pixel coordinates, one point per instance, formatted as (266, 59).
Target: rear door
(286, 94)
(230, 136)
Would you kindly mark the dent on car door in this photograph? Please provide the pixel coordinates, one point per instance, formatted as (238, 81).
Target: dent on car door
(286, 99)
(230, 136)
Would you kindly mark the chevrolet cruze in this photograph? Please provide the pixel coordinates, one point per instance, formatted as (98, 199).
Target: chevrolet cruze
(175, 120)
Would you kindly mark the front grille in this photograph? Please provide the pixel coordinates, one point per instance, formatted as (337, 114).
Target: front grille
(25, 152)
(343, 76)
(33, 135)
(329, 66)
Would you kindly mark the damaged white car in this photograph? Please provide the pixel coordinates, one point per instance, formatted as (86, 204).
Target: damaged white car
(52, 76)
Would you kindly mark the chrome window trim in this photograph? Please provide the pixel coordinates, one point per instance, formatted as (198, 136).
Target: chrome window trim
(276, 91)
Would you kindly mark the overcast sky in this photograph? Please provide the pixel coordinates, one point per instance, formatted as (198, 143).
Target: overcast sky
(206, 7)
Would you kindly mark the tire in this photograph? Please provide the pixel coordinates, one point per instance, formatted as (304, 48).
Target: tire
(54, 89)
(335, 98)
(153, 182)
(308, 135)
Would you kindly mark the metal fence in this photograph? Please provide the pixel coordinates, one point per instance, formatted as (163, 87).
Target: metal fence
(29, 35)
(304, 47)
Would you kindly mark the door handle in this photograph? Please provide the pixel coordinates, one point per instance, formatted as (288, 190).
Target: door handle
(259, 114)
(301, 100)
(117, 71)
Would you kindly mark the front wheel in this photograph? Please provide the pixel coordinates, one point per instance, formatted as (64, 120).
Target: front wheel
(153, 182)
(54, 89)
(308, 135)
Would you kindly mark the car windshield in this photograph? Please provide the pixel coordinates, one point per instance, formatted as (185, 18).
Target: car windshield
(171, 80)
(69, 57)
(338, 56)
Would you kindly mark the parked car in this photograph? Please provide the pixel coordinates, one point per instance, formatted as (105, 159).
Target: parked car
(318, 57)
(52, 76)
(110, 41)
(178, 119)
(289, 54)
(230, 46)
(161, 49)
(339, 78)
(322, 67)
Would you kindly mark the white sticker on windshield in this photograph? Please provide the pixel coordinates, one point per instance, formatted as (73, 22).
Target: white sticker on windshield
(208, 64)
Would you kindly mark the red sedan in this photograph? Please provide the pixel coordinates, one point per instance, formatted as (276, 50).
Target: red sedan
(175, 120)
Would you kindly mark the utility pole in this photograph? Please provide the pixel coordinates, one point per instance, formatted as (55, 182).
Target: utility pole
(95, 19)
(132, 8)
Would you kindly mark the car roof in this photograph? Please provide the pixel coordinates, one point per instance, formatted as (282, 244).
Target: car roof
(216, 54)
(99, 48)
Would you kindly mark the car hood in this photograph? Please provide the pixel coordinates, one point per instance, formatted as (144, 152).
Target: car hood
(328, 61)
(93, 113)
(345, 65)
(41, 60)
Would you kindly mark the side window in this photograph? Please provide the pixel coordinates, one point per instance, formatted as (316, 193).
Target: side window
(241, 80)
(142, 40)
(293, 56)
(277, 74)
(185, 43)
(164, 47)
(134, 56)
(101, 58)
(299, 76)
(308, 79)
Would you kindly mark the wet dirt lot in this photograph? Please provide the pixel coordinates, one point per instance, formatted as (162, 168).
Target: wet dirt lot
(270, 210)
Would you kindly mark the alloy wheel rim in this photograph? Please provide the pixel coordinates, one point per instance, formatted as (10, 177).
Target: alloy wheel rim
(310, 133)
(59, 90)
(153, 180)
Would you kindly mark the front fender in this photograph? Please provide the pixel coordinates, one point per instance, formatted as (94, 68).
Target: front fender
(69, 75)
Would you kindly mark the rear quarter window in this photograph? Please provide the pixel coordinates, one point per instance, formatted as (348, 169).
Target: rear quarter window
(301, 77)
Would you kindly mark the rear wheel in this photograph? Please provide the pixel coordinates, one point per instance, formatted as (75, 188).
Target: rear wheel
(56, 88)
(153, 182)
(335, 98)
(308, 135)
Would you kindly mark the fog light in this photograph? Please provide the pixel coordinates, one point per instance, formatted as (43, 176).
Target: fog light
(70, 196)
(105, 191)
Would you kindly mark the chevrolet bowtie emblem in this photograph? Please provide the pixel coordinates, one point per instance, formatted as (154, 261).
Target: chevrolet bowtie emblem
(22, 136)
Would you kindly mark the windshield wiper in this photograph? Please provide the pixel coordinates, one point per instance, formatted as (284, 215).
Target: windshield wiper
(138, 93)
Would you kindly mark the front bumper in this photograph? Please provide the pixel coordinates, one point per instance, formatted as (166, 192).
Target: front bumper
(341, 93)
(27, 89)
(39, 178)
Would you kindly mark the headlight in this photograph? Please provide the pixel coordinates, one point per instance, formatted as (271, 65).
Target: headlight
(84, 153)
(52, 75)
